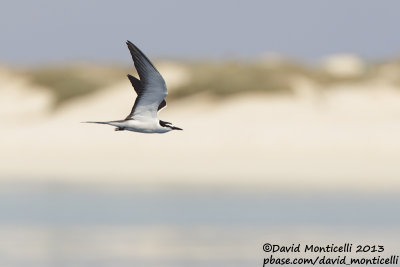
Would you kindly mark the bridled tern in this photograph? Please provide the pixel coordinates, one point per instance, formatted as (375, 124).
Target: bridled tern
(151, 92)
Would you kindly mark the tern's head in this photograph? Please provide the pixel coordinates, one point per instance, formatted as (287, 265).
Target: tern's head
(169, 125)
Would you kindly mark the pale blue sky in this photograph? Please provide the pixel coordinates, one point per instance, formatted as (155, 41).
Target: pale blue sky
(44, 31)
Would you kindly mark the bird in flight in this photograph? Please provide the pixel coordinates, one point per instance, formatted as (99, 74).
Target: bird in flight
(151, 93)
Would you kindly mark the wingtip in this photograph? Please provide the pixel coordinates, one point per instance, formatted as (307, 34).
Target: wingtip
(131, 46)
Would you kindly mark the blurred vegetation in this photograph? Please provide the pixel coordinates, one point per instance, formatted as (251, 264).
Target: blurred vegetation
(219, 79)
(227, 78)
(67, 82)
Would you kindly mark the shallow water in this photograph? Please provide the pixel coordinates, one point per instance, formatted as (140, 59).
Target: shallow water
(77, 226)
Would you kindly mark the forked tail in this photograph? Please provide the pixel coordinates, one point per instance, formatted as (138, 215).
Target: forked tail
(99, 122)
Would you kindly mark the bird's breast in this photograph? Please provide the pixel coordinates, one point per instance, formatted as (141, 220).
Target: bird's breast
(144, 126)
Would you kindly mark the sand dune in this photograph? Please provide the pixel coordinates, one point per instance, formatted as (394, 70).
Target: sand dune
(343, 138)
(21, 100)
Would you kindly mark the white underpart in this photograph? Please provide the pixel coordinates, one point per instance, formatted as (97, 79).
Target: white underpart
(148, 126)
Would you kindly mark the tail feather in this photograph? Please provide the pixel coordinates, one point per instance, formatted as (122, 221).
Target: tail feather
(99, 122)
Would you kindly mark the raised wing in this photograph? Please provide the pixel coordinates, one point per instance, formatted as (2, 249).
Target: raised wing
(137, 85)
(151, 88)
